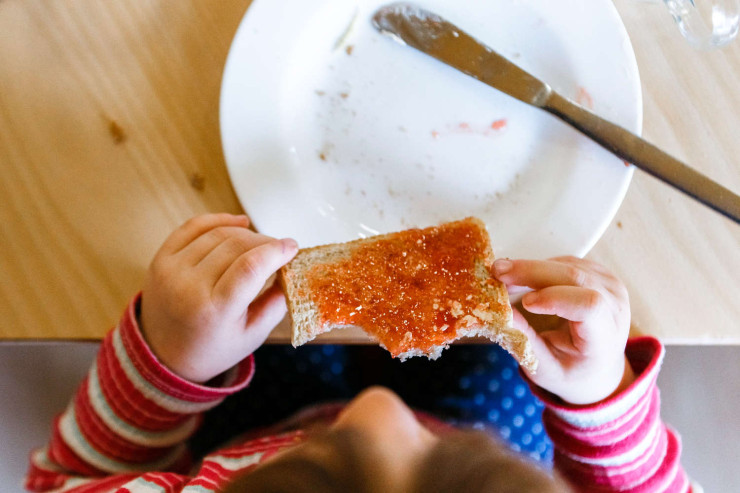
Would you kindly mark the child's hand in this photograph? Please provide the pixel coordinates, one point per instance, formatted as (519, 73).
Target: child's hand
(199, 313)
(582, 359)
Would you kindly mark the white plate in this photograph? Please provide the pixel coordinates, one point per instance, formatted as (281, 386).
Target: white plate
(332, 131)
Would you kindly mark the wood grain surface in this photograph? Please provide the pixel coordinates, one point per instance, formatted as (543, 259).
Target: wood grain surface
(109, 139)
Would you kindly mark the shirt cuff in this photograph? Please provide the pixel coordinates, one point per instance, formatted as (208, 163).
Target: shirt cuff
(645, 355)
(619, 444)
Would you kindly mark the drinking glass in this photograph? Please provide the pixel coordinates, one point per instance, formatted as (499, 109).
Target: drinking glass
(706, 24)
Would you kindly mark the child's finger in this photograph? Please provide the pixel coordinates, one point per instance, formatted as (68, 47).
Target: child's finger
(246, 276)
(214, 263)
(584, 263)
(203, 245)
(521, 324)
(539, 346)
(514, 290)
(195, 227)
(264, 314)
(571, 303)
(538, 274)
(605, 277)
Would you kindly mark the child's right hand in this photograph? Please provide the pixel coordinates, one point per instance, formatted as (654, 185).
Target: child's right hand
(582, 360)
(200, 309)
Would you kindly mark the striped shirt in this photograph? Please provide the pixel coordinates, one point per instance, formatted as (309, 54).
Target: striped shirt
(125, 429)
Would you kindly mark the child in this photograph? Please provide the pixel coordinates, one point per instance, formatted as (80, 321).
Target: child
(187, 342)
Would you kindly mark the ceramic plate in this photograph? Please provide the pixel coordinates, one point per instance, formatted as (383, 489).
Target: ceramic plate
(332, 131)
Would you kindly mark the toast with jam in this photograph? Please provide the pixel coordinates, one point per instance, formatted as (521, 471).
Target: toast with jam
(414, 292)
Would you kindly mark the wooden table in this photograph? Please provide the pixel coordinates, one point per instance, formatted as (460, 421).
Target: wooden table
(109, 139)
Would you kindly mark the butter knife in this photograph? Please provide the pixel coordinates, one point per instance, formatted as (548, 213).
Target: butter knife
(438, 38)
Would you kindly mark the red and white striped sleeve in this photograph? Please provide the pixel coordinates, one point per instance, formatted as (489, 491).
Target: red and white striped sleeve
(130, 415)
(621, 444)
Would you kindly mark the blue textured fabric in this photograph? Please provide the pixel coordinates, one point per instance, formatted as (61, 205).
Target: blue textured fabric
(476, 386)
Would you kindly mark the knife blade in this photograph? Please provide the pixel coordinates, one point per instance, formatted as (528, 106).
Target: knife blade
(431, 34)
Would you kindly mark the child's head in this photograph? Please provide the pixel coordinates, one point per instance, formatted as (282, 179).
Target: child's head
(377, 445)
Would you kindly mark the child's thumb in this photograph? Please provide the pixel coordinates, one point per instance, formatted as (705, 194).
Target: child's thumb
(263, 315)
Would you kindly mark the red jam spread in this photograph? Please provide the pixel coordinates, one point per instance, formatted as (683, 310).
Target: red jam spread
(413, 290)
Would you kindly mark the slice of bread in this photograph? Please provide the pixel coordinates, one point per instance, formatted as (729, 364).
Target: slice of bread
(415, 291)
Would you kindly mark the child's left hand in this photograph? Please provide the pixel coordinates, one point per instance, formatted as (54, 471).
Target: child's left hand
(581, 358)
(200, 309)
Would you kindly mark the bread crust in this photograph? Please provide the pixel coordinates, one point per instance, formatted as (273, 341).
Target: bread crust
(492, 320)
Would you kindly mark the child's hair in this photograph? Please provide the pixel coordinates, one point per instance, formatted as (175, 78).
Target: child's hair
(464, 461)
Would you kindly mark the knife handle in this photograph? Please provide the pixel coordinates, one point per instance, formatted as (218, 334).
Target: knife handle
(645, 156)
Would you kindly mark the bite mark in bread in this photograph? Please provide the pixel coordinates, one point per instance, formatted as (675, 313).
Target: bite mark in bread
(415, 291)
